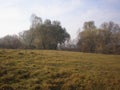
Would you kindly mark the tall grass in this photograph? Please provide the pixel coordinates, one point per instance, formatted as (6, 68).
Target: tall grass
(58, 70)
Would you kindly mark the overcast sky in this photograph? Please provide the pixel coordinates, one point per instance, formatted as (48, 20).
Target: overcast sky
(15, 14)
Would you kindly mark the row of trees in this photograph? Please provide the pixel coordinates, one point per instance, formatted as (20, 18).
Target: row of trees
(105, 39)
(51, 35)
(10, 42)
(41, 35)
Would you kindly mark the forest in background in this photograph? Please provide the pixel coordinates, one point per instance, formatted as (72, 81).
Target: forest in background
(50, 35)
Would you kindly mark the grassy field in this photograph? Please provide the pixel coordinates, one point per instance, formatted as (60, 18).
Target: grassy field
(58, 70)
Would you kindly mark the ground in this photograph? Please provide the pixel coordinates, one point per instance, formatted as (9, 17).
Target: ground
(58, 70)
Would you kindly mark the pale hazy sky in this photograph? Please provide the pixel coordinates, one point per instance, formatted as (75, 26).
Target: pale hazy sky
(15, 14)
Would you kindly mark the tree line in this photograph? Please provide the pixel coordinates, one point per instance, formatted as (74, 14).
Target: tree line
(49, 34)
(105, 39)
(41, 35)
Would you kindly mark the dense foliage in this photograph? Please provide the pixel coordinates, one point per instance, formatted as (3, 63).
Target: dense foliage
(41, 35)
(44, 35)
(105, 39)
(49, 34)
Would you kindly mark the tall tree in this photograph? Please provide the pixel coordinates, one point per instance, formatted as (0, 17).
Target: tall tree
(44, 35)
(50, 34)
(87, 37)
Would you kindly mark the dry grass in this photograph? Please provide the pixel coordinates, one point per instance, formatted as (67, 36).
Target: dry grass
(58, 70)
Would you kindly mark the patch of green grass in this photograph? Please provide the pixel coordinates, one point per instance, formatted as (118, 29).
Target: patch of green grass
(58, 70)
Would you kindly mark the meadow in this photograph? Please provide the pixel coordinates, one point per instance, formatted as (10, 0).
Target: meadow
(58, 70)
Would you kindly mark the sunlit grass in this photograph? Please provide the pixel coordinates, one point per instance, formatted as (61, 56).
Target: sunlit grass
(58, 70)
